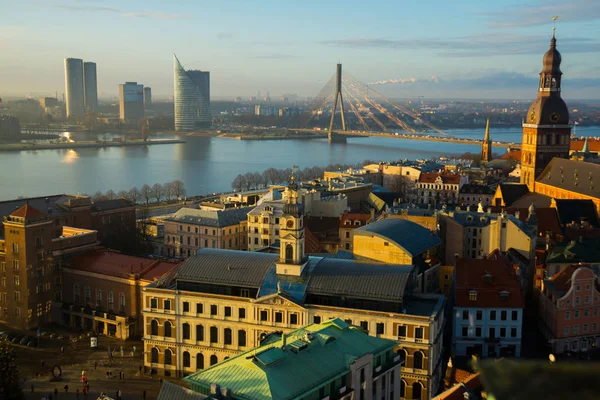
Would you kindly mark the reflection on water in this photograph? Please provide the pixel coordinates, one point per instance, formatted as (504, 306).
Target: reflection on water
(206, 164)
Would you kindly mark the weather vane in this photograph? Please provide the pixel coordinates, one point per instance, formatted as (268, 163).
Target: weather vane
(554, 27)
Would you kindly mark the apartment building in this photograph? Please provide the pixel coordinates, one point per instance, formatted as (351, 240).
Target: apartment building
(438, 189)
(348, 223)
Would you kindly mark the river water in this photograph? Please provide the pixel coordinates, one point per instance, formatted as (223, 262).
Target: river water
(208, 164)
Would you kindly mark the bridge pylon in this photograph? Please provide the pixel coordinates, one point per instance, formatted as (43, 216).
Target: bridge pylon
(331, 135)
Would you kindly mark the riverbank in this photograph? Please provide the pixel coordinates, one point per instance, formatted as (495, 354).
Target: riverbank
(79, 145)
(202, 133)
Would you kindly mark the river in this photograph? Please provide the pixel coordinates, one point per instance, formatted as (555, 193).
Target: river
(208, 164)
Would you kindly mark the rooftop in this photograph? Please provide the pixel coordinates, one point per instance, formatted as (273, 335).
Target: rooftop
(215, 218)
(586, 250)
(300, 363)
(412, 237)
(112, 263)
(512, 192)
(474, 188)
(493, 282)
(574, 176)
(449, 179)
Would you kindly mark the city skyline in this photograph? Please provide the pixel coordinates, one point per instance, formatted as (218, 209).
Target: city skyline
(291, 48)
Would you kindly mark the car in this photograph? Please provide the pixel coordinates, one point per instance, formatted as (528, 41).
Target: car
(17, 339)
(10, 336)
(25, 339)
(32, 343)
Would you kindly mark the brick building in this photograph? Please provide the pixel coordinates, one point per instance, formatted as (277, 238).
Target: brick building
(348, 223)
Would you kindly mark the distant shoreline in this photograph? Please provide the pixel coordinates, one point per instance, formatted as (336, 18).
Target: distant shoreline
(80, 145)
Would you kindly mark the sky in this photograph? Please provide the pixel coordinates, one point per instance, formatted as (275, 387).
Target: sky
(435, 48)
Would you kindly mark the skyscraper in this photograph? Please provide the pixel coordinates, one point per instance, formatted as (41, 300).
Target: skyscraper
(147, 97)
(192, 98)
(131, 101)
(74, 87)
(90, 86)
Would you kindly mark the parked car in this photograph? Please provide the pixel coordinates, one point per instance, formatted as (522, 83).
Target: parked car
(17, 339)
(10, 336)
(25, 339)
(33, 342)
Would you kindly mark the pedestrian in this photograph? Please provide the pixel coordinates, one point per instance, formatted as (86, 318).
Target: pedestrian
(117, 396)
(120, 375)
(140, 370)
(32, 388)
(43, 363)
(66, 388)
(160, 381)
(56, 393)
(84, 392)
(110, 373)
(107, 374)
(95, 364)
(62, 349)
(77, 392)
(144, 394)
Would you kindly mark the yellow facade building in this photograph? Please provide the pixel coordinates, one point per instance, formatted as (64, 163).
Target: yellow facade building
(219, 303)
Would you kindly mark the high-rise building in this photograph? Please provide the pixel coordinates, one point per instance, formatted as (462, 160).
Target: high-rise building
(546, 131)
(147, 97)
(192, 98)
(90, 86)
(74, 87)
(131, 101)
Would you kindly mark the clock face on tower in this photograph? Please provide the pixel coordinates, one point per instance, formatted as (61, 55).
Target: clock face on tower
(554, 117)
(290, 224)
(532, 116)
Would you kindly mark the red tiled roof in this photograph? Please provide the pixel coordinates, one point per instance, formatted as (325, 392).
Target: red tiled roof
(512, 155)
(593, 144)
(112, 263)
(27, 211)
(562, 279)
(457, 392)
(311, 243)
(363, 218)
(470, 276)
(446, 178)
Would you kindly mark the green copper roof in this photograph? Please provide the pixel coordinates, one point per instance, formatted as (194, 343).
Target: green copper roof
(312, 356)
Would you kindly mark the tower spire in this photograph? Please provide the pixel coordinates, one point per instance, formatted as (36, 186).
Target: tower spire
(487, 131)
(554, 27)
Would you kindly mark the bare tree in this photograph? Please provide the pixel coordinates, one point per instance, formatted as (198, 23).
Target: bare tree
(146, 193)
(157, 192)
(110, 194)
(258, 180)
(134, 194)
(167, 191)
(178, 188)
(249, 180)
(98, 196)
(123, 194)
(238, 183)
(270, 175)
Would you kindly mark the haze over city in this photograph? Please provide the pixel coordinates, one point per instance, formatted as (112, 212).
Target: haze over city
(470, 49)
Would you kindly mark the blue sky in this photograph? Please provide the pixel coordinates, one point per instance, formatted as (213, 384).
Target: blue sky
(435, 48)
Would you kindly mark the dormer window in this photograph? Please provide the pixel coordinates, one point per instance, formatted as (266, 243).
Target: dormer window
(356, 222)
(348, 222)
(473, 295)
(504, 295)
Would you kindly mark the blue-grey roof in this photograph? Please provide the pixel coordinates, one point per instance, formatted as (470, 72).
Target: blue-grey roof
(215, 218)
(412, 237)
(322, 276)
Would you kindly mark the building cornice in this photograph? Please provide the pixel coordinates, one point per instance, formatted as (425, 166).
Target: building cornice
(547, 126)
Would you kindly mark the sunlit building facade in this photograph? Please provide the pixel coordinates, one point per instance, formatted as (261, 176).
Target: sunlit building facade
(74, 87)
(192, 98)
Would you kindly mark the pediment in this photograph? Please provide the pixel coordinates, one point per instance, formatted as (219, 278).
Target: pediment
(278, 299)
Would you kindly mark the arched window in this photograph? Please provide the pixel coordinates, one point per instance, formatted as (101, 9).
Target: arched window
(122, 302)
(154, 327)
(186, 331)
(199, 361)
(289, 252)
(214, 335)
(402, 354)
(186, 359)
(76, 293)
(98, 297)
(418, 360)
(110, 300)
(213, 360)
(227, 335)
(402, 388)
(416, 390)
(241, 338)
(199, 333)
(168, 357)
(154, 354)
(88, 294)
(167, 329)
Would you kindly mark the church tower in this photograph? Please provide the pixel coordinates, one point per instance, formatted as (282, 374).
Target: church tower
(292, 259)
(546, 130)
(486, 146)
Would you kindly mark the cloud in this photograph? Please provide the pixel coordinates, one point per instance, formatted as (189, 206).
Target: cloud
(541, 13)
(135, 14)
(474, 45)
(272, 56)
(405, 81)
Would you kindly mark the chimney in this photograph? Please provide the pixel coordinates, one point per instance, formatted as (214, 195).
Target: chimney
(215, 390)
(517, 214)
(372, 215)
(284, 339)
(468, 208)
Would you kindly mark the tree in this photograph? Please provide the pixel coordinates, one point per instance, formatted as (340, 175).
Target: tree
(9, 373)
(123, 194)
(249, 180)
(238, 183)
(110, 194)
(134, 194)
(270, 176)
(157, 192)
(167, 191)
(178, 188)
(259, 180)
(99, 196)
(146, 193)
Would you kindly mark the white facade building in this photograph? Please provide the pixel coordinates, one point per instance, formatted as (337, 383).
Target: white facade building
(192, 98)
